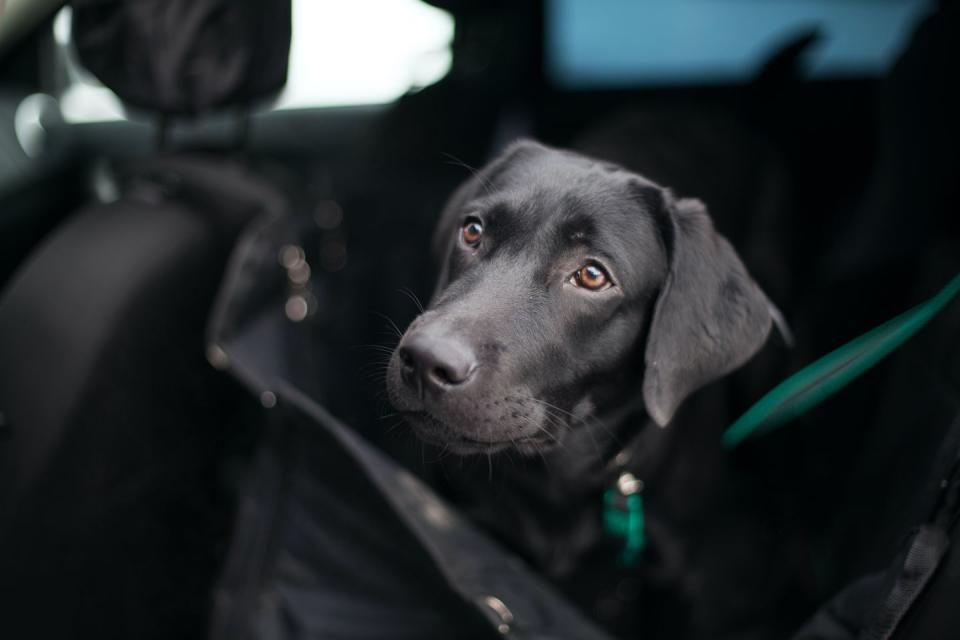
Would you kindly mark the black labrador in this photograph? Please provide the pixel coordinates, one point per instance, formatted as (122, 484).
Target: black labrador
(578, 306)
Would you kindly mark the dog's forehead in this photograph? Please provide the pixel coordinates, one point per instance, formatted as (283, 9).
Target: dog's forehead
(560, 172)
(551, 193)
(547, 206)
(549, 188)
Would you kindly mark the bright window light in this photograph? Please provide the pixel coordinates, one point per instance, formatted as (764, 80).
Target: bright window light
(342, 52)
(364, 51)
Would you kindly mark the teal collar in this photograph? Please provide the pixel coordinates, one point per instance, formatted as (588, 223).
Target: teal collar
(624, 517)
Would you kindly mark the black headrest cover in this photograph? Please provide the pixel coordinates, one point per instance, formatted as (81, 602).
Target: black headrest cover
(184, 57)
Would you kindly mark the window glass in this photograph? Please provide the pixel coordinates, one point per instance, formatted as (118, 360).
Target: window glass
(617, 43)
(342, 52)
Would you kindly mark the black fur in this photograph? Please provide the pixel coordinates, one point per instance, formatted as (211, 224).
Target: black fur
(563, 375)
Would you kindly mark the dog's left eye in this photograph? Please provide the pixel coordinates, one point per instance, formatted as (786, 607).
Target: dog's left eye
(472, 232)
(591, 276)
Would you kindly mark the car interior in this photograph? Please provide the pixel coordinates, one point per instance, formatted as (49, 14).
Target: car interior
(823, 137)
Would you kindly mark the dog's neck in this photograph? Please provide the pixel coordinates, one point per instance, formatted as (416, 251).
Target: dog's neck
(589, 457)
(589, 452)
(544, 505)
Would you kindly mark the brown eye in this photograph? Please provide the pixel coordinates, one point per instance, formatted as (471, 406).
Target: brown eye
(472, 232)
(592, 276)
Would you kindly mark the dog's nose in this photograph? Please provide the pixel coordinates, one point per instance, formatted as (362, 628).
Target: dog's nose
(434, 362)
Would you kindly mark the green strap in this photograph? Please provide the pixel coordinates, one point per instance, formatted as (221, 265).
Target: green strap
(624, 518)
(818, 381)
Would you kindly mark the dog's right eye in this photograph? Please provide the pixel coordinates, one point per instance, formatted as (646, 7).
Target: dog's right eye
(591, 276)
(472, 232)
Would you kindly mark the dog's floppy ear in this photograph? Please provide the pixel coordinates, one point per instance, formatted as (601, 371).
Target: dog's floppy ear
(710, 316)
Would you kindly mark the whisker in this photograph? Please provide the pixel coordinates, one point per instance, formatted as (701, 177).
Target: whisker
(392, 324)
(539, 428)
(410, 294)
(373, 364)
(588, 422)
(455, 161)
(374, 347)
(436, 458)
(543, 458)
(393, 426)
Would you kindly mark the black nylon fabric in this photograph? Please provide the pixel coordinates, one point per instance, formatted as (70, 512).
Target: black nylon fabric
(899, 502)
(183, 57)
(308, 563)
(935, 614)
(932, 611)
(111, 508)
(923, 557)
(334, 538)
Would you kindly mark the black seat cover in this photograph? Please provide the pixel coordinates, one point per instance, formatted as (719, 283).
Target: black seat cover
(109, 502)
(111, 507)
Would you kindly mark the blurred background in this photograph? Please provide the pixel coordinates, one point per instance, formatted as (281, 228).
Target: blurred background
(141, 141)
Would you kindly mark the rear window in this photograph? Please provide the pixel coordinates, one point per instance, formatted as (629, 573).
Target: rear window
(622, 43)
(342, 52)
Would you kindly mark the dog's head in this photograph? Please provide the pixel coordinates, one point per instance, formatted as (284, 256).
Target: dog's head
(567, 285)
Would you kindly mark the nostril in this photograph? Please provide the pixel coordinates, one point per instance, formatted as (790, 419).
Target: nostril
(443, 376)
(449, 376)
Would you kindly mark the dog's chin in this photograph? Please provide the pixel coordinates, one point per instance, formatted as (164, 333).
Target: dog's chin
(436, 432)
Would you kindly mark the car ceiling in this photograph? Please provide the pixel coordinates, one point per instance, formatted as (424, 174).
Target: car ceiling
(18, 17)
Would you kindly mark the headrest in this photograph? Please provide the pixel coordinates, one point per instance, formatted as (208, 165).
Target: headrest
(184, 57)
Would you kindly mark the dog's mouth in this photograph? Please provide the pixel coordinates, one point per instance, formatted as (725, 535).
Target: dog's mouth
(436, 432)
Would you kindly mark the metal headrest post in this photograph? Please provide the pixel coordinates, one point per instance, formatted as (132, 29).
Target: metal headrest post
(242, 132)
(163, 130)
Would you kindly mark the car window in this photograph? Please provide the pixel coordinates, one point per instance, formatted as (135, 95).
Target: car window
(620, 43)
(342, 52)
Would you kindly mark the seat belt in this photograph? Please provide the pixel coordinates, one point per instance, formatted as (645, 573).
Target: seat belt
(822, 378)
(623, 507)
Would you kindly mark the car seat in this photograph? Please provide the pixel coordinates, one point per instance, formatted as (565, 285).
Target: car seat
(113, 421)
